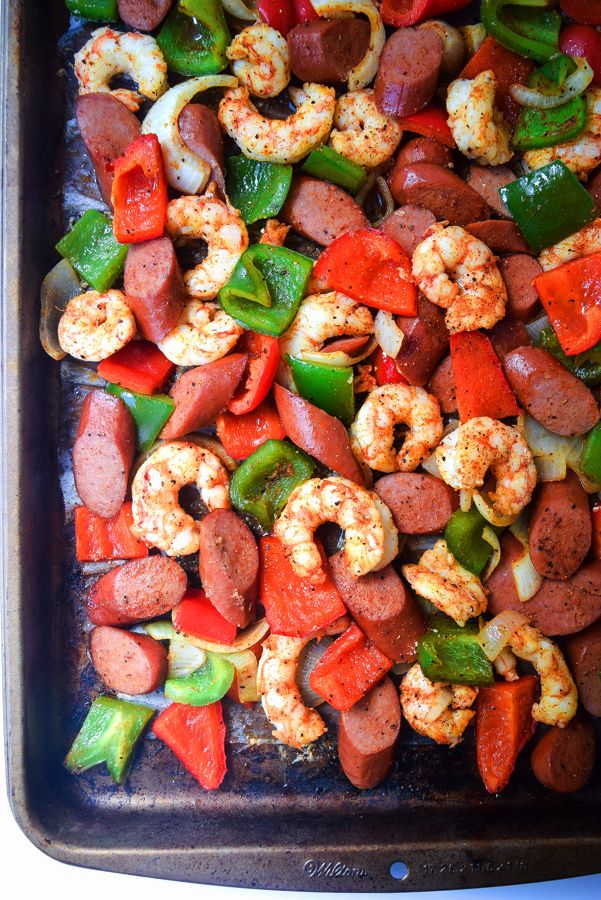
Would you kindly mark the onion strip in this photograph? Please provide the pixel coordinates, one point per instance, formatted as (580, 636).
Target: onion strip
(491, 538)
(488, 513)
(575, 84)
(527, 580)
(59, 286)
(496, 634)
(239, 10)
(246, 639)
(338, 357)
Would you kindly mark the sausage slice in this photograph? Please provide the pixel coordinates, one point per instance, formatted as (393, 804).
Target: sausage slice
(426, 341)
(407, 226)
(143, 15)
(103, 453)
(127, 662)
(367, 735)
(200, 129)
(508, 335)
(325, 50)
(518, 272)
(438, 189)
(487, 180)
(423, 149)
(139, 589)
(560, 527)
(154, 287)
(321, 211)
(442, 386)
(564, 758)
(229, 566)
(408, 71)
(501, 235)
(419, 503)
(583, 653)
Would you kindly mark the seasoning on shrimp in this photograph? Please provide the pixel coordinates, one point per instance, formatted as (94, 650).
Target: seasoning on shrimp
(94, 326)
(479, 129)
(259, 57)
(437, 710)
(582, 154)
(361, 132)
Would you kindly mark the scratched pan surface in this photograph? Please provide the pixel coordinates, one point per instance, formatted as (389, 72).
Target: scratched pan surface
(282, 819)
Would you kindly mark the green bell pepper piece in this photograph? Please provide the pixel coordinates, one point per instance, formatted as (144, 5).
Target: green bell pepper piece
(194, 38)
(262, 484)
(536, 128)
(328, 387)
(96, 10)
(585, 366)
(447, 652)
(149, 412)
(285, 273)
(93, 251)
(463, 535)
(108, 735)
(206, 685)
(548, 205)
(257, 189)
(527, 27)
(590, 459)
(248, 283)
(326, 163)
(553, 75)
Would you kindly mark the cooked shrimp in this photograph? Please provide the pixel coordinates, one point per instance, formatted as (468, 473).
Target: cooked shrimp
(279, 140)
(479, 129)
(203, 334)
(452, 589)
(391, 405)
(259, 56)
(274, 233)
(466, 454)
(324, 316)
(94, 326)
(158, 517)
(209, 219)
(505, 665)
(109, 53)
(436, 709)
(295, 724)
(459, 273)
(582, 154)
(559, 697)
(361, 132)
(581, 243)
(337, 500)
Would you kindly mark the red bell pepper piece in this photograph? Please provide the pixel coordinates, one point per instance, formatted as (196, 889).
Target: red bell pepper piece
(504, 725)
(196, 615)
(279, 14)
(431, 123)
(482, 389)
(303, 11)
(509, 68)
(139, 193)
(294, 606)
(242, 435)
(571, 296)
(586, 11)
(98, 539)
(596, 522)
(348, 669)
(263, 354)
(385, 369)
(370, 267)
(196, 734)
(582, 40)
(139, 366)
(409, 12)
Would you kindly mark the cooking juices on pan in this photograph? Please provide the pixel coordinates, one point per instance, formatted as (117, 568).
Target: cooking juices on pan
(394, 330)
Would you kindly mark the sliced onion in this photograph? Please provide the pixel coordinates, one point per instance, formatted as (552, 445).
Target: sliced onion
(365, 71)
(308, 659)
(485, 509)
(430, 466)
(337, 357)
(551, 467)
(246, 665)
(391, 535)
(534, 328)
(527, 579)
(465, 500)
(248, 638)
(554, 452)
(442, 700)
(238, 10)
(491, 538)
(161, 630)
(473, 37)
(454, 51)
(386, 198)
(362, 195)
(505, 665)
(419, 543)
(58, 287)
(496, 634)
(184, 657)
(575, 84)
(186, 171)
(387, 333)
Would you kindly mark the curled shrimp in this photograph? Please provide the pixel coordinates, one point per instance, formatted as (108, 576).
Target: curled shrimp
(479, 129)
(391, 405)
(209, 219)
(452, 589)
(361, 132)
(109, 53)
(436, 710)
(459, 273)
(203, 334)
(559, 697)
(259, 57)
(295, 724)
(158, 517)
(465, 455)
(337, 500)
(94, 326)
(583, 153)
(324, 316)
(279, 140)
(581, 243)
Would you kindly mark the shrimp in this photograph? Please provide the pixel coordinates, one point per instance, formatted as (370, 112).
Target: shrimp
(390, 405)
(203, 334)
(459, 273)
(452, 589)
(259, 56)
(279, 140)
(274, 233)
(323, 316)
(559, 697)
(337, 500)
(209, 219)
(582, 154)
(479, 129)
(158, 517)
(94, 326)
(466, 454)
(362, 133)
(109, 53)
(436, 709)
(581, 243)
(295, 724)
(505, 665)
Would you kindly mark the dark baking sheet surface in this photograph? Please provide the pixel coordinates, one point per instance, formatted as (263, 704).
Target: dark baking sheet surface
(283, 819)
